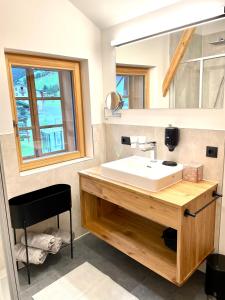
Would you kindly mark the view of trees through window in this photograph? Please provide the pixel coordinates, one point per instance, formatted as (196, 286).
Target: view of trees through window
(47, 109)
(41, 110)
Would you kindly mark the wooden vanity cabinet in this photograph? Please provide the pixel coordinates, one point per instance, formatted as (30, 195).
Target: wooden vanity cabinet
(133, 220)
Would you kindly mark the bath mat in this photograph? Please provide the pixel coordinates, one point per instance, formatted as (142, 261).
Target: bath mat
(84, 283)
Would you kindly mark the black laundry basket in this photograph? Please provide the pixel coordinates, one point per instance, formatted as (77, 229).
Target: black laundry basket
(215, 276)
(31, 208)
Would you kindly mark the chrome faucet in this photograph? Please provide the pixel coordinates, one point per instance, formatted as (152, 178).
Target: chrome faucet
(152, 147)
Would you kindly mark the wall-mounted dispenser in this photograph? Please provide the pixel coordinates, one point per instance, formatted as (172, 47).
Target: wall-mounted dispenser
(171, 137)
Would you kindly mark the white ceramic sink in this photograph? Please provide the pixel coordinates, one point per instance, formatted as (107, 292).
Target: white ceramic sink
(142, 172)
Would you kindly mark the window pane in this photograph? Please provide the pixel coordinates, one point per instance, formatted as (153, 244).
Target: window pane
(49, 112)
(52, 139)
(131, 88)
(27, 143)
(122, 85)
(186, 85)
(23, 113)
(46, 83)
(125, 103)
(45, 105)
(213, 83)
(136, 91)
(20, 82)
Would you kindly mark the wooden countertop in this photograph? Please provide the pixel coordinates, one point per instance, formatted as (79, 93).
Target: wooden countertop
(177, 195)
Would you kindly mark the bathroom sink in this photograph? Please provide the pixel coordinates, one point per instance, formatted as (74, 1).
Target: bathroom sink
(143, 173)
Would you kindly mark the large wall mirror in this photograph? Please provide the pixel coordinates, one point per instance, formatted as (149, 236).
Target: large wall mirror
(183, 69)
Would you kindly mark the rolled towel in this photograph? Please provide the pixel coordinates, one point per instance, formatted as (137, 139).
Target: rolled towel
(36, 256)
(57, 245)
(58, 233)
(40, 240)
(133, 141)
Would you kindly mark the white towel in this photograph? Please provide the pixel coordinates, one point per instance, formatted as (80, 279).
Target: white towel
(42, 241)
(133, 141)
(142, 139)
(56, 246)
(36, 256)
(58, 233)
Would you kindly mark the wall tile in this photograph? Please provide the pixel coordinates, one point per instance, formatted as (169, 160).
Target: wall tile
(17, 184)
(191, 148)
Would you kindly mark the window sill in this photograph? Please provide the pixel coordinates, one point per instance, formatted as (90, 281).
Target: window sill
(55, 166)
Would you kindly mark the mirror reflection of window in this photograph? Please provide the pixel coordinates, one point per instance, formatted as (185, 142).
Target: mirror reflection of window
(132, 84)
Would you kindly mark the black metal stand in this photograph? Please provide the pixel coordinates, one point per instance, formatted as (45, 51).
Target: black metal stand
(14, 234)
(71, 236)
(71, 232)
(58, 221)
(27, 255)
(37, 206)
(27, 264)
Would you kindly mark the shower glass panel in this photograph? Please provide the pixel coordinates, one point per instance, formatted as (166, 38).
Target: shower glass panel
(186, 85)
(8, 279)
(213, 82)
(4, 286)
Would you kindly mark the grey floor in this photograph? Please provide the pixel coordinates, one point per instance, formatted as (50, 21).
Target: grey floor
(135, 278)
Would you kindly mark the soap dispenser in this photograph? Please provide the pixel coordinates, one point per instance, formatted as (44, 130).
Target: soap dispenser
(171, 137)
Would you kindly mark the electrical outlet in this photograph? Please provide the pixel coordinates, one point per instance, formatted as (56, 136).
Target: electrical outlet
(125, 140)
(211, 151)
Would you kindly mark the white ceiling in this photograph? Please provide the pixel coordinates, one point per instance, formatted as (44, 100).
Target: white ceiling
(106, 13)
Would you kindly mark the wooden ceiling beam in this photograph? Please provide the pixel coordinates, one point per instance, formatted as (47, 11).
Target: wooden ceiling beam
(177, 57)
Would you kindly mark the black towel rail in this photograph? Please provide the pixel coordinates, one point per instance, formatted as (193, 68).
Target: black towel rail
(187, 212)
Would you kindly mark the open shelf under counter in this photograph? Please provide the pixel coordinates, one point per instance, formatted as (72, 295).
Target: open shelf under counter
(133, 220)
(137, 237)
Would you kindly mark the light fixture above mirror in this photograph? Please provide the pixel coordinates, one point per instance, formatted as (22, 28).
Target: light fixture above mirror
(192, 15)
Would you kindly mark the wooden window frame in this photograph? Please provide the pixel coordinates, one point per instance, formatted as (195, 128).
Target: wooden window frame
(130, 70)
(52, 64)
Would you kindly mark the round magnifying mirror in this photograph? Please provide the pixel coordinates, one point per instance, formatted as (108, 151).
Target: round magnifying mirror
(113, 101)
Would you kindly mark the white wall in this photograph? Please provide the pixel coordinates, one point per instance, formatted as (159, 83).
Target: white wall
(152, 53)
(49, 27)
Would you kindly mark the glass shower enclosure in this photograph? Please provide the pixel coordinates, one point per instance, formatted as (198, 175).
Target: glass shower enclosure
(199, 83)
(8, 276)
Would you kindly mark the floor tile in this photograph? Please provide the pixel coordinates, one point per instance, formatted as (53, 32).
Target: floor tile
(137, 279)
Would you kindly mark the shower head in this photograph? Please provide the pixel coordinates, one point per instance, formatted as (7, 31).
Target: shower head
(219, 42)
